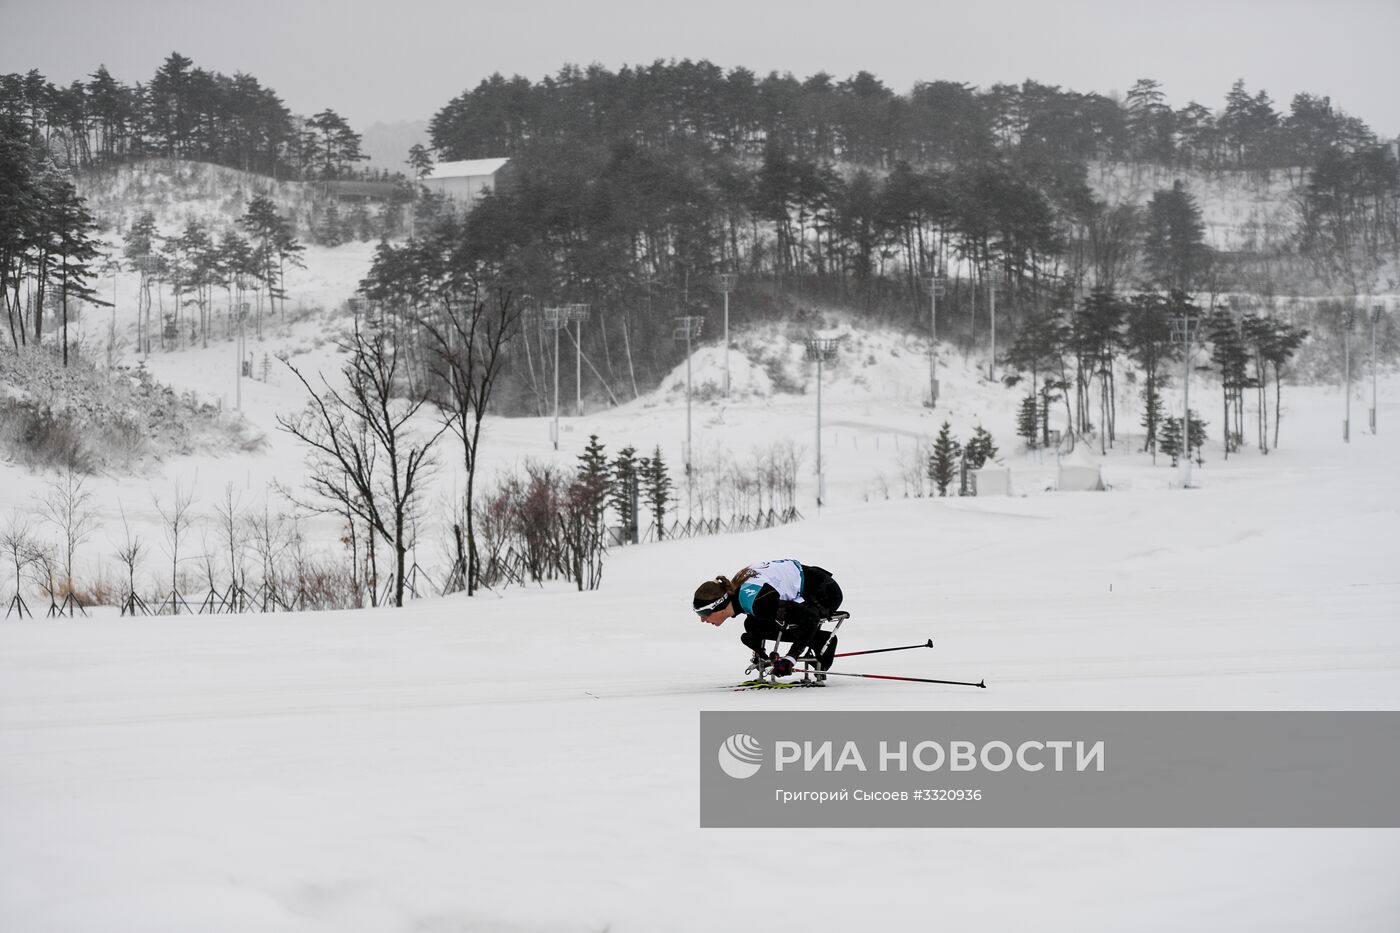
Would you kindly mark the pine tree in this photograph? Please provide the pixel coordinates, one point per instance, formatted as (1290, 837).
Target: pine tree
(976, 454)
(1197, 437)
(587, 500)
(1170, 442)
(595, 477)
(72, 246)
(625, 490)
(1098, 336)
(1050, 393)
(1148, 342)
(1282, 342)
(1175, 248)
(420, 160)
(140, 239)
(1154, 411)
(276, 246)
(1150, 122)
(233, 261)
(1028, 422)
(943, 462)
(1228, 352)
(980, 449)
(1169, 439)
(332, 143)
(1038, 349)
(656, 489)
(331, 232)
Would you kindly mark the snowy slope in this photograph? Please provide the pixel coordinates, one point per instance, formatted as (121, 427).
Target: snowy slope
(1240, 210)
(529, 761)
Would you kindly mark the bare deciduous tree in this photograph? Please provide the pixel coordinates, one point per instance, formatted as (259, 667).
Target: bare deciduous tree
(232, 541)
(68, 507)
(468, 339)
(17, 542)
(366, 457)
(268, 535)
(129, 553)
(179, 518)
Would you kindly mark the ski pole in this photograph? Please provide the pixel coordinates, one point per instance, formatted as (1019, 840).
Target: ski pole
(848, 654)
(920, 680)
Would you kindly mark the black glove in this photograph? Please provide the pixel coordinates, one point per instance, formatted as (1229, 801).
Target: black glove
(782, 664)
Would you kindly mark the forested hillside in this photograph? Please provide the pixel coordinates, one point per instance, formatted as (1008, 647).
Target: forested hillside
(629, 192)
(182, 112)
(668, 172)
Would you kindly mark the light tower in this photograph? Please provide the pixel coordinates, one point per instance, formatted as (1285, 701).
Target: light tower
(241, 283)
(577, 314)
(725, 282)
(1184, 332)
(819, 350)
(994, 281)
(936, 285)
(1377, 312)
(555, 317)
(687, 328)
(1347, 324)
(149, 266)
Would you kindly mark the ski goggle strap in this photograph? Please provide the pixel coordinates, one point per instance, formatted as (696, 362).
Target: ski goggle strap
(711, 606)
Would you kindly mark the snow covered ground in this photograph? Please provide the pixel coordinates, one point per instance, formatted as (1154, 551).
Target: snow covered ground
(529, 760)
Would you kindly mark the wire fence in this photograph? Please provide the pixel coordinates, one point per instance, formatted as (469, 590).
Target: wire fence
(510, 567)
(694, 528)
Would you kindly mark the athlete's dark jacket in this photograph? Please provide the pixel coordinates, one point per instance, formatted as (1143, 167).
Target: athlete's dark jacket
(798, 622)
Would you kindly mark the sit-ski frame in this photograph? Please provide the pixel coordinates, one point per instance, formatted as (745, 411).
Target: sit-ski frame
(812, 675)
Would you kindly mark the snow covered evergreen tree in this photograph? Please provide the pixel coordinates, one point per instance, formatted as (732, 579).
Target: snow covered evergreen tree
(656, 489)
(943, 462)
(980, 449)
(1028, 422)
(624, 491)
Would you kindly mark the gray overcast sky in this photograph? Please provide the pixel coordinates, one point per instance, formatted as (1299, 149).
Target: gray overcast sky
(389, 61)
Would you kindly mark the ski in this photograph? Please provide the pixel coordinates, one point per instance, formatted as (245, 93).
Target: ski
(771, 685)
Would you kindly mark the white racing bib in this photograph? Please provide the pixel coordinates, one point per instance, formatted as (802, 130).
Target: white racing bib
(785, 576)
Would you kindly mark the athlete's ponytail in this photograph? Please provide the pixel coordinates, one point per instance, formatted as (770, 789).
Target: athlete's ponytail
(713, 594)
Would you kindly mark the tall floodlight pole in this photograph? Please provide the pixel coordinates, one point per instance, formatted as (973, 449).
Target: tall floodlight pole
(936, 284)
(725, 282)
(994, 280)
(1377, 310)
(819, 350)
(1184, 332)
(556, 317)
(148, 265)
(1237, 307)
(114, 268)
(577, 314)
(1347, 325)
(688, 328)
(241, 284)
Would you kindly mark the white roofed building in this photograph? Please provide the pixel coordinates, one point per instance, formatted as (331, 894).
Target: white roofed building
(465, 182)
